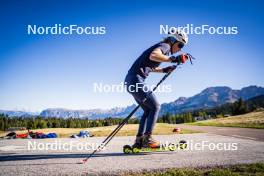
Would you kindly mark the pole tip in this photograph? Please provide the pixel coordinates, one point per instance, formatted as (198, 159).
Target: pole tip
(82, 162)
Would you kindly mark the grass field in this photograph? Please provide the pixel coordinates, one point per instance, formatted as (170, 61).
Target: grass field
(127, 130)
(250, 120)
(236, 170)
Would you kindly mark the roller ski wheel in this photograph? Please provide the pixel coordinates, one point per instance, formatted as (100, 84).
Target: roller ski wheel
(127, 149)
(135, 150)
(172, 147)
(182, 144)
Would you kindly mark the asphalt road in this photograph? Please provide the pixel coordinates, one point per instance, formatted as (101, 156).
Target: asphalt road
(244, 133)
(17, 159)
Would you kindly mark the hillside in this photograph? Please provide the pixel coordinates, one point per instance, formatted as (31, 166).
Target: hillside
(249, 120)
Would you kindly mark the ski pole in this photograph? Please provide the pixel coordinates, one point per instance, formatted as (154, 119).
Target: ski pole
(117, 129)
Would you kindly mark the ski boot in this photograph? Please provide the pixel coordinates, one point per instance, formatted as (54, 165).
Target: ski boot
(150, 142)
(138, 142)
(142, 144)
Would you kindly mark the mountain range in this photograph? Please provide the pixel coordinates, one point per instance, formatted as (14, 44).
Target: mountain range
(208, 98)
(211, 97)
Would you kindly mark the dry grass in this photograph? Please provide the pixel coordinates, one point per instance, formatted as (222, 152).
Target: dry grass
(232, 170)
(250, 120)
(127, 130)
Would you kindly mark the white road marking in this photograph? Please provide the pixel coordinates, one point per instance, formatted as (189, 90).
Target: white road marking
(12, 148)
(243, 137)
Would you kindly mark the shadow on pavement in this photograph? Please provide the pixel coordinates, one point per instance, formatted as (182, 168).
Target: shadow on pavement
(66, 156)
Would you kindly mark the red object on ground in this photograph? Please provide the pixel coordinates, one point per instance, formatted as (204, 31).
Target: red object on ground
(22, 135)
(176, 130)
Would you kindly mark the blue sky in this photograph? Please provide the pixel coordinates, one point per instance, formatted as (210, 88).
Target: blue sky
(49, 71)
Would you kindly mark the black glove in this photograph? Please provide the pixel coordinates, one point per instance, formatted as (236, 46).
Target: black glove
(168, 69)
(180, 59)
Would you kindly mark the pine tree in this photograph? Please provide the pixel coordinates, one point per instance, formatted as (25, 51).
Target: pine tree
(239, 107)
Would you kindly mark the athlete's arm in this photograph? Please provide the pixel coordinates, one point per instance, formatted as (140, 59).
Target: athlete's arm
(163, 70)
(157, 56)
(157, 69)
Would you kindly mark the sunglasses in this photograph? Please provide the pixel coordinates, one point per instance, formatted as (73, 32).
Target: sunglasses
(180, 45)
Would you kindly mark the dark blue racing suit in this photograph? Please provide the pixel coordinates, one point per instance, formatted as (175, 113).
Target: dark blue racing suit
(135, 79)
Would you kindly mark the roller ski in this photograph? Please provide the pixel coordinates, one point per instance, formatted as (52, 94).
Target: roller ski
(148, 144)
